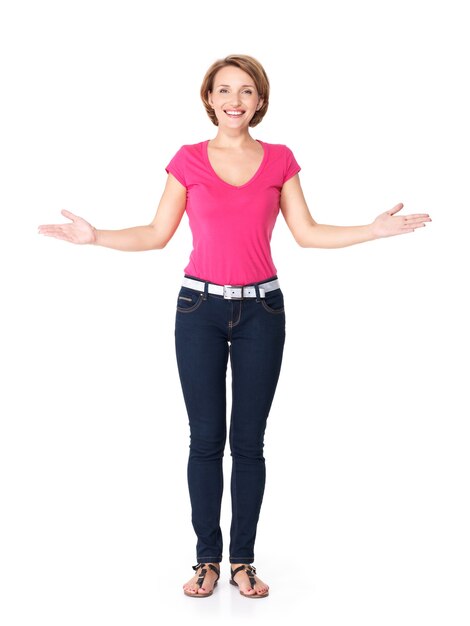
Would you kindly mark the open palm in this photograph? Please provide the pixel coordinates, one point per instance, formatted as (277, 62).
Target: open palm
(388, 224)
(79, 231)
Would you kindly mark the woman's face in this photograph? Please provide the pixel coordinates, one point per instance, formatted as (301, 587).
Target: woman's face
(234, 97)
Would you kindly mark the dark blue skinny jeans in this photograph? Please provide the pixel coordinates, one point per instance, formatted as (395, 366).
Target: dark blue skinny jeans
(209, 329)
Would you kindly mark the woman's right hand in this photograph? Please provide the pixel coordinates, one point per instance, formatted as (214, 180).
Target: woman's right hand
(80, 231)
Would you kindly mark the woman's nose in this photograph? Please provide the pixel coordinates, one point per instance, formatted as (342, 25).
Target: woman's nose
(235, 100)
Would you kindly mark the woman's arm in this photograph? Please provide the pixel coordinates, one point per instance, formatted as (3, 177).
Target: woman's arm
(309, 234)
(153, 236)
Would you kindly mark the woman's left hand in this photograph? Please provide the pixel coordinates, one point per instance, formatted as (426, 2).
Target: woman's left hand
(388, 224)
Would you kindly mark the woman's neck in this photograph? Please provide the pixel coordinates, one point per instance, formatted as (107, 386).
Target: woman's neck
(232, 139)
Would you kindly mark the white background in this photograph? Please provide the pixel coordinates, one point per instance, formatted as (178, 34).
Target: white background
(366, 514)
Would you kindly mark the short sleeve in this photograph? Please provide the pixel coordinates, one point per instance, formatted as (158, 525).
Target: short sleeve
(177, 166)
(291, 167)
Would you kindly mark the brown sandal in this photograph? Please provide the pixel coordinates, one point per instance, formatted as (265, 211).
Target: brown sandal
(200, 580)
(251, 571)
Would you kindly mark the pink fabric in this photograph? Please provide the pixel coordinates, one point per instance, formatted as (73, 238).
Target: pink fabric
(232, 226)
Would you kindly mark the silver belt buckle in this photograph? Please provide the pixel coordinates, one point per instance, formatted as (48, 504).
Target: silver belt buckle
(233, 292)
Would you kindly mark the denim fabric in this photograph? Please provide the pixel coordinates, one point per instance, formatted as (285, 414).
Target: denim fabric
(208, 331)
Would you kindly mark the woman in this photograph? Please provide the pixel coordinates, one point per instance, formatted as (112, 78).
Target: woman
(230, 303)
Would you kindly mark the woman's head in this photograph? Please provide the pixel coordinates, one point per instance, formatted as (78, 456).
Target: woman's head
(238, 81)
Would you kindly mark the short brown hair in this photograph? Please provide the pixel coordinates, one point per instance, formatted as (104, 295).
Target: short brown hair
(249, 65)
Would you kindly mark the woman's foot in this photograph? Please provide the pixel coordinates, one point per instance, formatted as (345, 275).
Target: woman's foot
(208, 584)
(243, 581)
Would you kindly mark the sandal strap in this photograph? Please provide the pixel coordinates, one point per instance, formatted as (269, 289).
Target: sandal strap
(215, 569)
(197, 566)
(203, 573)
(249, 569)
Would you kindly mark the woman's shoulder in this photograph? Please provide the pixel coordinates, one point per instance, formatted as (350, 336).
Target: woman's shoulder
(191, 151)
(282, 159)
(193, 147)
(277, 148)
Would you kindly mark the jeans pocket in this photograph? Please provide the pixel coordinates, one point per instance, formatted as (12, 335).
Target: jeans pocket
(273, 302)
(188, 300)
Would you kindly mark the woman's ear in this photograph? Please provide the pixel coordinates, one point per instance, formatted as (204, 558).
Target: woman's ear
(209, 98)
(260, 104)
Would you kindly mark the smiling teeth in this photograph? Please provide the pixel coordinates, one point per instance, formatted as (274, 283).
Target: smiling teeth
(234, 112)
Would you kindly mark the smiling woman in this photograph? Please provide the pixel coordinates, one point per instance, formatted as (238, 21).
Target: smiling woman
(230, 304)
(256, 87)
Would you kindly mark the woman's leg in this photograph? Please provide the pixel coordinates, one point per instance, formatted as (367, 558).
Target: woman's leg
(257, 343)
(202, 355)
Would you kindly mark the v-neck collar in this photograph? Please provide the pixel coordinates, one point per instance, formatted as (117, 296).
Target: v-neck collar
(205, 151)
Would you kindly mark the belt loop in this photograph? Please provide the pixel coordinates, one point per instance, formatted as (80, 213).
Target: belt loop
(206, 290)
(258, 297)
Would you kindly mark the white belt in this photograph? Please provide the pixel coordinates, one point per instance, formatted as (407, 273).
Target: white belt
(232, 292)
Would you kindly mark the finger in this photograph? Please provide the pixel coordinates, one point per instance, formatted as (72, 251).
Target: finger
(50, 228)
(57, 236)
(416, 221)
(54, 231)
(396, 208)
(417, 225)
(68, 214)
(422, 216)
(408, 227)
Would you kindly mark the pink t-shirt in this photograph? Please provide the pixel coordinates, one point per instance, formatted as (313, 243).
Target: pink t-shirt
(232, 225)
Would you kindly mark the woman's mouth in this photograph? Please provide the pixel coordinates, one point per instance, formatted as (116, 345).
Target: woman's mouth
(234, 112)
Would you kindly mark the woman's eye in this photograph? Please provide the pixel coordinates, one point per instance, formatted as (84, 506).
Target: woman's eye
(248, 91)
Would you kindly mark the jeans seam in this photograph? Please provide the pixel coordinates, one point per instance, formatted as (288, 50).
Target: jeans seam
(239, 315)
(273, 311)
(242, 557)
(192, 308)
